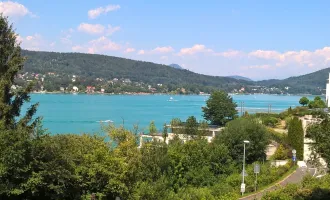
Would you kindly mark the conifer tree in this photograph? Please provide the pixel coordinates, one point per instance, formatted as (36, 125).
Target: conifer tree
(11, 62)
(296, 137)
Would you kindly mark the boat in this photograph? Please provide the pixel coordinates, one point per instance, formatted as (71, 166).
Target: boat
(171, 99)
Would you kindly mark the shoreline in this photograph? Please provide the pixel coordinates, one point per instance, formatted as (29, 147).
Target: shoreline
(143, 94)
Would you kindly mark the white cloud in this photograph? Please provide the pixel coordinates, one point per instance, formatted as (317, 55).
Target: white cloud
(258, 67)
(97, 29)
(197, 48)
(77, 48)
(14, 9)
(110, 30)
(230, 54)
(99, 45)
(33, 42)
(66, 36)
(91, 28)
(164, 58)
(94, 13)
(141, 52)
(163, 49)
(103, 44)
(129, 50)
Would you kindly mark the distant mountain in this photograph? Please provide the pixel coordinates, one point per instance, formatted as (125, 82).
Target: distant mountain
(176, 66)
(240, 78)
(92, 67)
(312, 83)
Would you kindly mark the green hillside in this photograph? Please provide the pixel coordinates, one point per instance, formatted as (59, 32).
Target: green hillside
(89, 67)
(313, 83)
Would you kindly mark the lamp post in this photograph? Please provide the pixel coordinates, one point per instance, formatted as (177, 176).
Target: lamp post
(243, 173)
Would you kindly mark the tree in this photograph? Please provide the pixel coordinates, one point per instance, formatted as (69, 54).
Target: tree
(242, 129)
(304, 101)
(296, 137)
(220, 108)
(11, 62)
(191, 126)
(320, 134)
(16, 134)
(281, 153)
(317, 103)
(165, 132)
(152, 127)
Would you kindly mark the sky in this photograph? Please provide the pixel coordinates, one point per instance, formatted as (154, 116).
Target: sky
(251, 38)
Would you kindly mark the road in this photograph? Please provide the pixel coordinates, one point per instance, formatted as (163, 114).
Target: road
(295, 177)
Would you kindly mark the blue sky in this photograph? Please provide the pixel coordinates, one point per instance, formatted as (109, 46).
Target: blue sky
(256, 39)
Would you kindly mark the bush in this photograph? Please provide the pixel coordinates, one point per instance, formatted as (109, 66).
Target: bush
(270, 121)
(281, 153)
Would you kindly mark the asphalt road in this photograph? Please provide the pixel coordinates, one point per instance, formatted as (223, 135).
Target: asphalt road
(295, 177)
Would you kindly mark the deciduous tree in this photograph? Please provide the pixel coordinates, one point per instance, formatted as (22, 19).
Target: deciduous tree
(220, 108)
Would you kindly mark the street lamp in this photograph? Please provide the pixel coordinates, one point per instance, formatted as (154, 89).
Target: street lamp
(243, 173)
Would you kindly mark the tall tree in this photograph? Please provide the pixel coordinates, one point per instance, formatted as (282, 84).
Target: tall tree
(11, 62)
(242, 129)
(220, 108)
(296, 137)
(15, 134)
(191, 127)
(152, 127)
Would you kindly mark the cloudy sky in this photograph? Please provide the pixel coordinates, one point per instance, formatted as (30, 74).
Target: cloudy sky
(252, 38)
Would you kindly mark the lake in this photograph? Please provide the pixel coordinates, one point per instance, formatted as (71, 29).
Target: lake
(67, 113)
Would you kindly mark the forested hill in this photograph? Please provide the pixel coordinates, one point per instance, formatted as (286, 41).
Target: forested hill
(91, 66)
(313, 83)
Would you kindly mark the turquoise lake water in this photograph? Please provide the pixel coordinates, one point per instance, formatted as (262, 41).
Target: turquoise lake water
(66, 113)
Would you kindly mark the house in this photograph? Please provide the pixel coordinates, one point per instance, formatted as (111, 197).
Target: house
(75, 89)
(102, 90)
(62, 89)
(90, 89)
(126, 80)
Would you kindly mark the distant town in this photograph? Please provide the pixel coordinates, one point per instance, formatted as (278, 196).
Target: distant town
(52, 82)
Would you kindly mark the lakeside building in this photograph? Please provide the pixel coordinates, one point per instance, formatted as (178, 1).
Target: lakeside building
(211, 130)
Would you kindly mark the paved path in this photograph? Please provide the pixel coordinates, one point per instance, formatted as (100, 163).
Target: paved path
(295, 177)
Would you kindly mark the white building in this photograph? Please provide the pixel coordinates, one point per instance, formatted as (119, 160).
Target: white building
(327, 93)
(75, 88)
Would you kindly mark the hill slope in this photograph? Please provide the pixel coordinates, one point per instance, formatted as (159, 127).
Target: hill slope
(240, 78)
(312, 83)
(176, 66)
(91, 66)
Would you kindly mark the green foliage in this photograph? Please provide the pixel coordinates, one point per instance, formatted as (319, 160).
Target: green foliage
(281, 153)
(304, 101)
(296, 137)
(311, 188)
(152, 127)
(317, 103)
(220, 108)
(320, 134)
(11, 62)
(242, 129)
(109, 68)
(270, 121)
(165, 131)
(191, 126)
